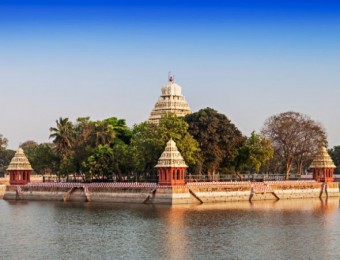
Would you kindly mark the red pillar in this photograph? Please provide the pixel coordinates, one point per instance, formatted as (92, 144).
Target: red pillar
(171, 176)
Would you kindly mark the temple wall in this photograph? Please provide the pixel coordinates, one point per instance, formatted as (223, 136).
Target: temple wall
(187, 194)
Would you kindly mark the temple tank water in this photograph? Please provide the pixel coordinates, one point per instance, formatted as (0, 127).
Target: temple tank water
(290, 229)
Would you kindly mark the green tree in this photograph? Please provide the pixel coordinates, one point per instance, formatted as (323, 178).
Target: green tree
(149, 140)
(77, 142)
(145, 148)
(29, 149)
(42, 157)
(5, 154)
(45, 159)
(66, 166)
(171, 126)
(85, 141)
(104, 133)
(255, 153)
(217, 137)
(100, 164)
(335, 155)
(63, 135)
(123, 161)
(123, 133)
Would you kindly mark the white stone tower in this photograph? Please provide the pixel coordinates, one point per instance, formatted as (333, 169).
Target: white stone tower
(170, 101)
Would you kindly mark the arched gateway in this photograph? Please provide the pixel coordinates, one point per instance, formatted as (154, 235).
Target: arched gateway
(171, 166)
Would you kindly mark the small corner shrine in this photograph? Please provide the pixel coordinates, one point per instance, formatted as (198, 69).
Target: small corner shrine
(19, 169)
(171, 166)
(323, 166)
(170, 101)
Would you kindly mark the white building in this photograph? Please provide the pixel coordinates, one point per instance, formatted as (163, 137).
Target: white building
(170, 101)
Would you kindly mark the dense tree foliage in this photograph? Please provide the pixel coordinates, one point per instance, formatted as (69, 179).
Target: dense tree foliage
(62, 136)
(42, 157)
(99, 164)
(123, 133)
(79, 144)
(149, 140)
(254, 154)
(218, 139)
(335, 155)
(296, 138)
(5, 154)
(107, 150)
(146, 148)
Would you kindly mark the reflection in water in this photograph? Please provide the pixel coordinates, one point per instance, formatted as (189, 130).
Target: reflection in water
(174, 240)
(287, 229)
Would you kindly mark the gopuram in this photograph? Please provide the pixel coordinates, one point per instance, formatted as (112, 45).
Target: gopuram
(170, 101)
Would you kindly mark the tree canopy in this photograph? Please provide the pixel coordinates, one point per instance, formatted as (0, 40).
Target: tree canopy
(78, 144)
(295, 138)
(254, 154)
(335, 155)
(209, 142)
(217, 137)
(42, 157)
(149, 140)
(5, 154)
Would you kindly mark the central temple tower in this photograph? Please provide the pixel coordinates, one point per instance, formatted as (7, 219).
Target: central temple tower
(170, 101)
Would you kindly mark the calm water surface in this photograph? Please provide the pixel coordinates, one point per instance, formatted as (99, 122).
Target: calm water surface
(291, 229)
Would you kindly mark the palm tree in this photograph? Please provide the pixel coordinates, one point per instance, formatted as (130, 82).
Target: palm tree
(63, 136)
(104, 133)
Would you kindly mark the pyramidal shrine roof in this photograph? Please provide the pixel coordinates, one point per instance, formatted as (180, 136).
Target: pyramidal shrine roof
(170, 101)
(171, 157)
(19, 162)
(322, 160)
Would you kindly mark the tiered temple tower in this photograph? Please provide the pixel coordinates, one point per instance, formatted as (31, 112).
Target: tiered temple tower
(323, 166)
(170, 101)
(171, 166)
(19, 169)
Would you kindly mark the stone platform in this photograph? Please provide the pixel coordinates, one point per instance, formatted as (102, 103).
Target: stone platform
(191, 193)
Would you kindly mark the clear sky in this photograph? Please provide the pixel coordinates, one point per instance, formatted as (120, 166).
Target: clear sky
(97, 58)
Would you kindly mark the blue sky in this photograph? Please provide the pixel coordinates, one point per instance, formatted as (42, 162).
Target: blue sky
(247, 59)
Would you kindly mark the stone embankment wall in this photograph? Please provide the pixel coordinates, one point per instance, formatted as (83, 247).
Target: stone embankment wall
(192, 193)
(270, 190)
(111, 192)
(2, 190)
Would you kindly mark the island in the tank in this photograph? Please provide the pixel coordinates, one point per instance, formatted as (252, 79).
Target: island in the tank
(174, 185)
(171, 187)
